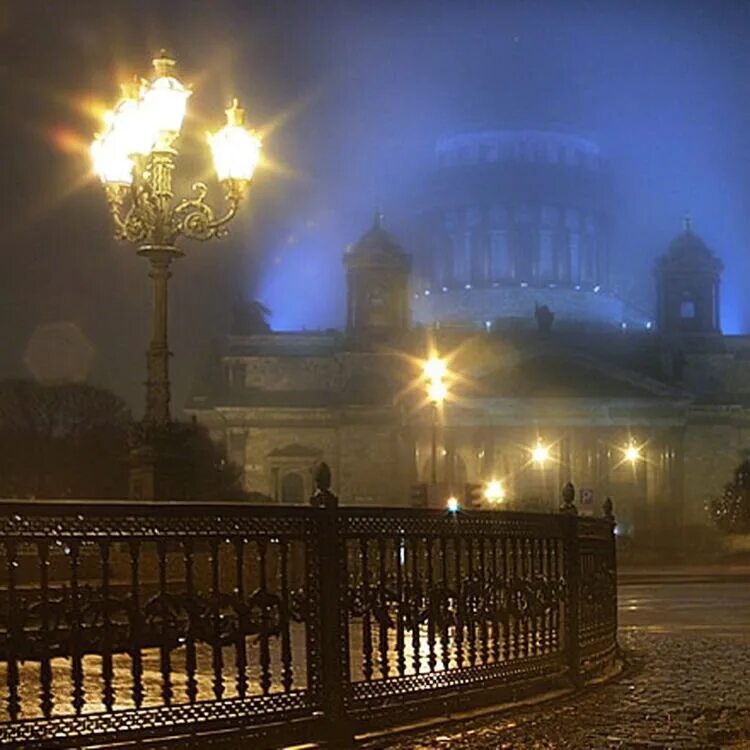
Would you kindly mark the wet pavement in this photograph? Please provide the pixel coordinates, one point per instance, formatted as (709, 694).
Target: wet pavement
(686, 686)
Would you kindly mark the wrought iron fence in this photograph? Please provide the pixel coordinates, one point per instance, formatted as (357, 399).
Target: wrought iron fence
(121, 621)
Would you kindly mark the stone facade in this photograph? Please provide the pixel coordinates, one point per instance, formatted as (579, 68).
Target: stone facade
(655, 419)
(512, 306)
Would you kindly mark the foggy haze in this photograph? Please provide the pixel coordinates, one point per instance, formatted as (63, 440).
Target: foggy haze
(358, 92)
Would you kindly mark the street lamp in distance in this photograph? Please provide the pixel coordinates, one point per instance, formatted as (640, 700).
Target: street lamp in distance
(632, 453)
(494, 492)
(435, 369)
(540, 453)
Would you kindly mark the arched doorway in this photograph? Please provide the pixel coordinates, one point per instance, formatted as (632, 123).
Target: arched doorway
(293, 488)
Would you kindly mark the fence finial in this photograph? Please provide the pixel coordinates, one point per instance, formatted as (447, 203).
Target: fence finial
(608, 509)
(568, 497)
(322, 497)
(323, 476)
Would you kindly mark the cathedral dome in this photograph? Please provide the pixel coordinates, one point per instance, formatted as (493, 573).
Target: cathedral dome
(514, 220)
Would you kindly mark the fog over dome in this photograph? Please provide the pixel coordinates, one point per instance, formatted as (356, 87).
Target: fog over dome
(518, 219)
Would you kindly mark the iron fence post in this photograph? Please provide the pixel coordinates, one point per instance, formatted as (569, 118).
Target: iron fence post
(573, 584)
(334, 639)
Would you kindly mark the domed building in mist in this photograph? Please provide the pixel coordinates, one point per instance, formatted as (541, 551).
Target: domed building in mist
(518, 219)
(654, 416)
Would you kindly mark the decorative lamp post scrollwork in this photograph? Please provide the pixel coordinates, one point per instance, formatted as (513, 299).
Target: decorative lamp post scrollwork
(135, 157)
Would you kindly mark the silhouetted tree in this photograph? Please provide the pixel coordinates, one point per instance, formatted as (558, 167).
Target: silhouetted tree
(73, 440)
(62, 441)
(206, 473)
(731, 511)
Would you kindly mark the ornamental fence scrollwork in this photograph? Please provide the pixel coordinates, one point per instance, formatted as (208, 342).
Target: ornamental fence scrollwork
(122, 621)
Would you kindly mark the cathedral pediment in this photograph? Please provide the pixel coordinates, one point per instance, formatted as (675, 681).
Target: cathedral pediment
(563, 375)
(295, 450)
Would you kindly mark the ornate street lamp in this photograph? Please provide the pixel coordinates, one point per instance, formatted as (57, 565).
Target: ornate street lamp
(135, 157)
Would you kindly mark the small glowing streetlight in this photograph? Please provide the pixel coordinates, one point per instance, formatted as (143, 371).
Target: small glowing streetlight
(632, 453)
(494, 492)
(540, 452)
(452, 505)
(437, 391)
(435, 368)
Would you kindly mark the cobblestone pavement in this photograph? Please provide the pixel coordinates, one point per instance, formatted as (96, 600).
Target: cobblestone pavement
(684, 689)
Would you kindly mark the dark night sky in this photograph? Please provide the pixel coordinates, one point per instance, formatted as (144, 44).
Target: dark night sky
(357, 92)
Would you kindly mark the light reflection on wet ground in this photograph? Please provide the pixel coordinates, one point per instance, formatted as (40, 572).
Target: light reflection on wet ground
(703, 628)
(722, 606)
(688, 686)
(29, 677)
(417, 653)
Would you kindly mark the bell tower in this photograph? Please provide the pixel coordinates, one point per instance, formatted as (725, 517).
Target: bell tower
(688, 279)
(377, 281)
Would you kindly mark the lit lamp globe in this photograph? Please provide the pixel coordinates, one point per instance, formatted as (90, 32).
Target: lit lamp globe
(235, 150)
(111, 163)
(164, 100)
(127, 134)
(130, 124)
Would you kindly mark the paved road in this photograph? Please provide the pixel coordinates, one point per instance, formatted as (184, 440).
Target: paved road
(687, 686)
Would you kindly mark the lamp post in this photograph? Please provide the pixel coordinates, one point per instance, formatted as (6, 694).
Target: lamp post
(435, 370)
(135, 157)
(494, 492)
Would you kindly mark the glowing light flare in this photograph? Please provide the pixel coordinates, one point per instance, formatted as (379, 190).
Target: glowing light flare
(540, 453)
(67, 140)
(435, 368)
(235, 149)
(494, 492)
(632, 453)
(452, 505)
(437, 391)
(89, 106)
